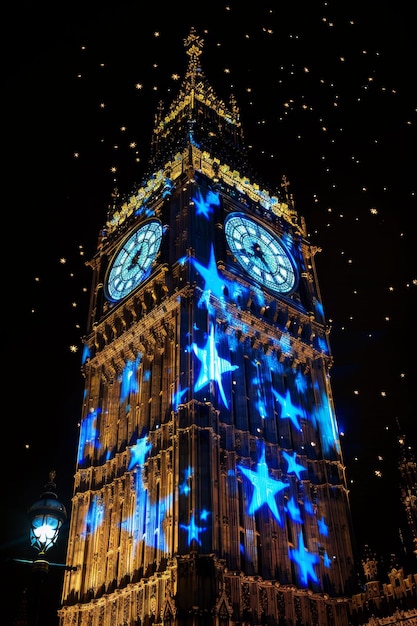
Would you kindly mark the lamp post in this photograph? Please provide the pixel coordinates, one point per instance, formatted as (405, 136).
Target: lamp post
(46, 517)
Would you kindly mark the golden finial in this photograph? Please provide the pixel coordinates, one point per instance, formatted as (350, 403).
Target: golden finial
(285, 184)
(194, 44)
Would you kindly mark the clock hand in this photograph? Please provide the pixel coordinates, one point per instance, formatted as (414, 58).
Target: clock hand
(135, 259)
(258, 253)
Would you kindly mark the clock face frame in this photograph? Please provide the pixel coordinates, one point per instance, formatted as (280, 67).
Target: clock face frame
(133, 260)
(260, 253)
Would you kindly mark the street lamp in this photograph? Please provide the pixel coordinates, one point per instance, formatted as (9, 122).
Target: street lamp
(46, 516)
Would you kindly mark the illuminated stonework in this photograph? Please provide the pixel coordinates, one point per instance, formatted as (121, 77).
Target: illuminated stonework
(210, 486)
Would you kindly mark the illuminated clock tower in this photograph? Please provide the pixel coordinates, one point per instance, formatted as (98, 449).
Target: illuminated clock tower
(210, 486)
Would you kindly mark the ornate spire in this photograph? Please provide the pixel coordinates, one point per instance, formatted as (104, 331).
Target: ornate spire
(194, 48)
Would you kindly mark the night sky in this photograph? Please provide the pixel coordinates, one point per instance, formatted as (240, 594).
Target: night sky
(327, 97)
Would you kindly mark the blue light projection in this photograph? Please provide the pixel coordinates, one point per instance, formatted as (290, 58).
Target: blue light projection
(323, 528)
(86, 354)
(322, 344)
(177, 398)
(144, 210)
(273, 363)
(203, 205)
(183, 487)
(319, 309)
(325, 419)
(138, 452)
(288, 409)
(260, 403)
(293, 511)
(148, 519)
(285, 343)
(264, 487)
(212, 366)
(168, 187)
(288, 241)
(293, 466)
(95, 515)
(204, 514)
(88, 434)
(129, 379)
(304, 560)
(211, 276)
(300, 382)
(327, 560)
(308, 507)
(193, 531)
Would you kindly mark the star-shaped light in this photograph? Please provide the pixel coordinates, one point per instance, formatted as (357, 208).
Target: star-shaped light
(193, 531)
(288, 408)
(305, 561)
(138, 452)
(184, 487)
(293, 466)
(202, 206)
(264, 487)
(323, 528)
(327, 560)
(212, 366)
(294, 511)
(211, 276)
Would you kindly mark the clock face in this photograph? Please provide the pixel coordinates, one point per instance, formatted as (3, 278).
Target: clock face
(133, 260)
(260, 253)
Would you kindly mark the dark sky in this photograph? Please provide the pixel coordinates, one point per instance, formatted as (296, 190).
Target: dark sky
(326, 92)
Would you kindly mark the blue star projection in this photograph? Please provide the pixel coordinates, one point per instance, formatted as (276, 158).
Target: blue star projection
(211, 276)
(323, 416)
(288, 409)
(204, 204)
(193, 530)
(305, 561)
(95, 515)
(212, 366)
(293, 466)
(265, 488)
(138, 452)
(184, 486)
(88, 435)
(129, 378)
(323, 528)
(293, 511)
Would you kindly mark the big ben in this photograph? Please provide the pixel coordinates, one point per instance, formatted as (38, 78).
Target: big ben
(210, 486)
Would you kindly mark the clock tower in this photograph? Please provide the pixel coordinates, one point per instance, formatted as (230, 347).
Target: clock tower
(210, 487)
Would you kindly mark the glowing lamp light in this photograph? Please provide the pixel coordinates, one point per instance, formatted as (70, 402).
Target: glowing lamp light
(46, 517)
